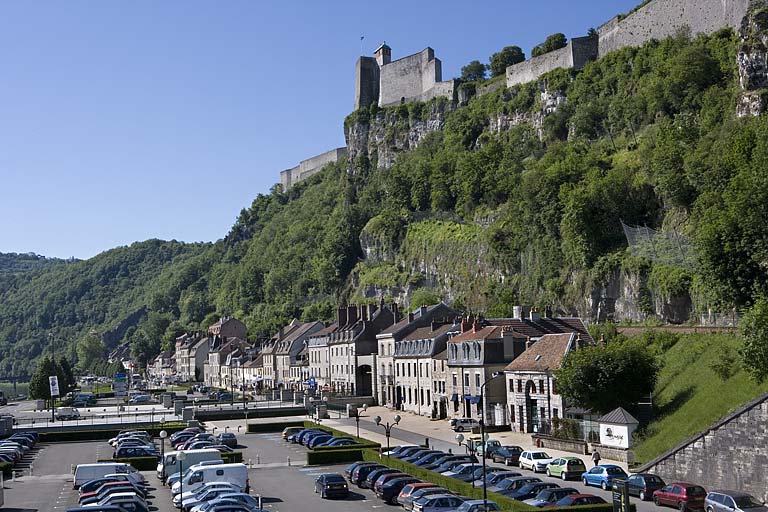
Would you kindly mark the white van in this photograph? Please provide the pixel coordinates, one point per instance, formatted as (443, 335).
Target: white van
(67, 413)
(462, 424)
(236, 473)
(168, 465)
(85, 472)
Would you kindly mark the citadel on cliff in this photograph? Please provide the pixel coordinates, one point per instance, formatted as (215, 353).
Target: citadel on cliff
(418, 77)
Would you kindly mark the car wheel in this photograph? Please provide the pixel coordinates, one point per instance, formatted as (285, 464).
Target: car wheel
(604, 485)
(548, 473)
(642, 496)
(584, 481)
(656, 500)
(322, 494)
(507, 462)
(459, 429)
(563, 476)
(681, 506)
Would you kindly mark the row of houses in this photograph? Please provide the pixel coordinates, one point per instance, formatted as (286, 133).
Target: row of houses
(431, 361)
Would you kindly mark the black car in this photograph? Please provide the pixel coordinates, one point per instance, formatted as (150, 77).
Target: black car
(406, 452)
(397, 449)
(418, 454)
(349, 470)
(331, 485)
(529, 490)
(391, 490)
(227, 439)
(549, 496)
(508, 455)
(361, 472)
(429, 459)
(643, 485)
(434, 466)
(452, 463)
(374, 475)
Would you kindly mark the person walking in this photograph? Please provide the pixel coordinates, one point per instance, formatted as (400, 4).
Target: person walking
(596, 457)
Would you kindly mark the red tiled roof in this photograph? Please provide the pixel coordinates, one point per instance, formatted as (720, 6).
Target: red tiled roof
(545, 354)
(487, 332)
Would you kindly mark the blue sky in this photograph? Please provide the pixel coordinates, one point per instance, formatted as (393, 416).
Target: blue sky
(123, 121)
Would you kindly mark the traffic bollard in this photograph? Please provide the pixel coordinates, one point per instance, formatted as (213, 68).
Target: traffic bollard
(289, 460)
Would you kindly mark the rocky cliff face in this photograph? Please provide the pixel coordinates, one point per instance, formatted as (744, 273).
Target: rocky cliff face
(753, 63)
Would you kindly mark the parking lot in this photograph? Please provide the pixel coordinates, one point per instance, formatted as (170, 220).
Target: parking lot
(283, 487)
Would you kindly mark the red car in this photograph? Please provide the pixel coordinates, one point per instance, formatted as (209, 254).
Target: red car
(681, 496)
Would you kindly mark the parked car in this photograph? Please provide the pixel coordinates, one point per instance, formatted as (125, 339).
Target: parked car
(331, 485)
(642, 485)
(462, 424)
(528, 490)
(428, 459)
(496, 477)
(228, 502)
(509, 455)
(139, 399)
(289, 431)
(226, 438)
(550, 496)
(535, 460)
(126, 452)
(408, 501)
(437, 503)
(408, 490)
(397, 449)
(566, 467)
(732, 501)
(514, 483)
(383, 479)
(389, 491)
(406, 452)
(574, 500)
(681, 495)
(465, 469)
(478, 506)
(313, 441)
(370, 480)
(603, 476)
(361, 472)
(418, 454)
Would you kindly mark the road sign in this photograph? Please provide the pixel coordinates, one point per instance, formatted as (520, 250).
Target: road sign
(312, 382)
(120, 385)
(53, 382)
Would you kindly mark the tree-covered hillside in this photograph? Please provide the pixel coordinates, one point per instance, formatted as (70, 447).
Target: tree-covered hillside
(518, 198)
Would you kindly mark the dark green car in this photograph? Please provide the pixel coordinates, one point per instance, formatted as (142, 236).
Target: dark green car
(566, 467)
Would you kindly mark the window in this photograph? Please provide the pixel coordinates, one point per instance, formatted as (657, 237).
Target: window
(541, 387)
(477, 381)
(427, 396)
(455, 381)
(519, 385)
(466, 380)
(555, 413)
(511, 385)
(511, 413)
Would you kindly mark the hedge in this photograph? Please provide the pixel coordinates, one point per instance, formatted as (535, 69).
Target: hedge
(252, 413)
(230, 457)
(139, 463)
(6, 468)
(339, 433)
(256, 428)
(89, 435)
(334, 456)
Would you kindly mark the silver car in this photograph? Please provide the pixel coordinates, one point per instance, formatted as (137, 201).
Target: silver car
(732, 501)
(437, 503)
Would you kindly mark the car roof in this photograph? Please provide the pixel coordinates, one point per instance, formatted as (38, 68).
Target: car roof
(571, 458)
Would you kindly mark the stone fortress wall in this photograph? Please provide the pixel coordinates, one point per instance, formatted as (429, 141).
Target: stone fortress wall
(310, 166)
(656, 20)
(416, 77)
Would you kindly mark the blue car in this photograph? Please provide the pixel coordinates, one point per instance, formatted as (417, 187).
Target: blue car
(603, 475)
(318, 440)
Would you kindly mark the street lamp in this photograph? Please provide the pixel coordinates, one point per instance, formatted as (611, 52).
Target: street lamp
(357, 418)
(180, 457)
(387, 427)
(460, 440)
(483, 436)
(163, 435)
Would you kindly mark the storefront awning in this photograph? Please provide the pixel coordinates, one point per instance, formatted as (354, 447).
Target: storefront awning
(474, 400)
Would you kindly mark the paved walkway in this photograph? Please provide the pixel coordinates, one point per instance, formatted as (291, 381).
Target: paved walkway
(412, 429)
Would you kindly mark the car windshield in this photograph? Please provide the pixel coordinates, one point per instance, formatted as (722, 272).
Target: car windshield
(695, 490)
(746, 502)
(541, 455)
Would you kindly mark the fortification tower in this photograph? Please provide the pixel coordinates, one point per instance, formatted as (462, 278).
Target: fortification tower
(383, 54)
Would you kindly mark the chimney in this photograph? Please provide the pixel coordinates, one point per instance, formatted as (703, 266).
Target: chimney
(372, 308)
(396, 312)
(280, 333)
(535, 316)
(351, 314)
(579, 341)
(423, 309)
(517, 312)
(363, 312)
(465, 324)
(410, 317)
(342, 317)
(548, 312)
(528, 342)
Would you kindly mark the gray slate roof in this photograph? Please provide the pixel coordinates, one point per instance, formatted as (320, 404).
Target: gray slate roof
(618, 416)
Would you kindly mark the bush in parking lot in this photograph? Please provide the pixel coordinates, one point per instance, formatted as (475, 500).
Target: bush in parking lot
(230, 457)
(89, 435)
(139, 463)
(334, 456)
(256, 428)
(339, 433)
(6, 468)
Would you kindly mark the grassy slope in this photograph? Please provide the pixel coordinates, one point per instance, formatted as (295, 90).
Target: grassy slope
(690, 396)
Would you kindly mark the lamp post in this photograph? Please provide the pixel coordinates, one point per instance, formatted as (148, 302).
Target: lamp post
(387, 427)
(460, 440)
(180, 457)
(483, 436)
(357, 418)
(163, 435)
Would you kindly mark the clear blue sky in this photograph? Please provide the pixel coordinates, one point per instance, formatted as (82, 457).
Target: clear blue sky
(127, 120)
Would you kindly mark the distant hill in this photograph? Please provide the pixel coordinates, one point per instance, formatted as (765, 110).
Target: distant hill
(12, 263)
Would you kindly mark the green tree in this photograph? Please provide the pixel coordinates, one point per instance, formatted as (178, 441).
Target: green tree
(508, 56)
(90, 350)
(602, 378)
(552, 43)
(39, 387)
(67, 380)
(754, 325)
(423, 297)
(473, 72)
